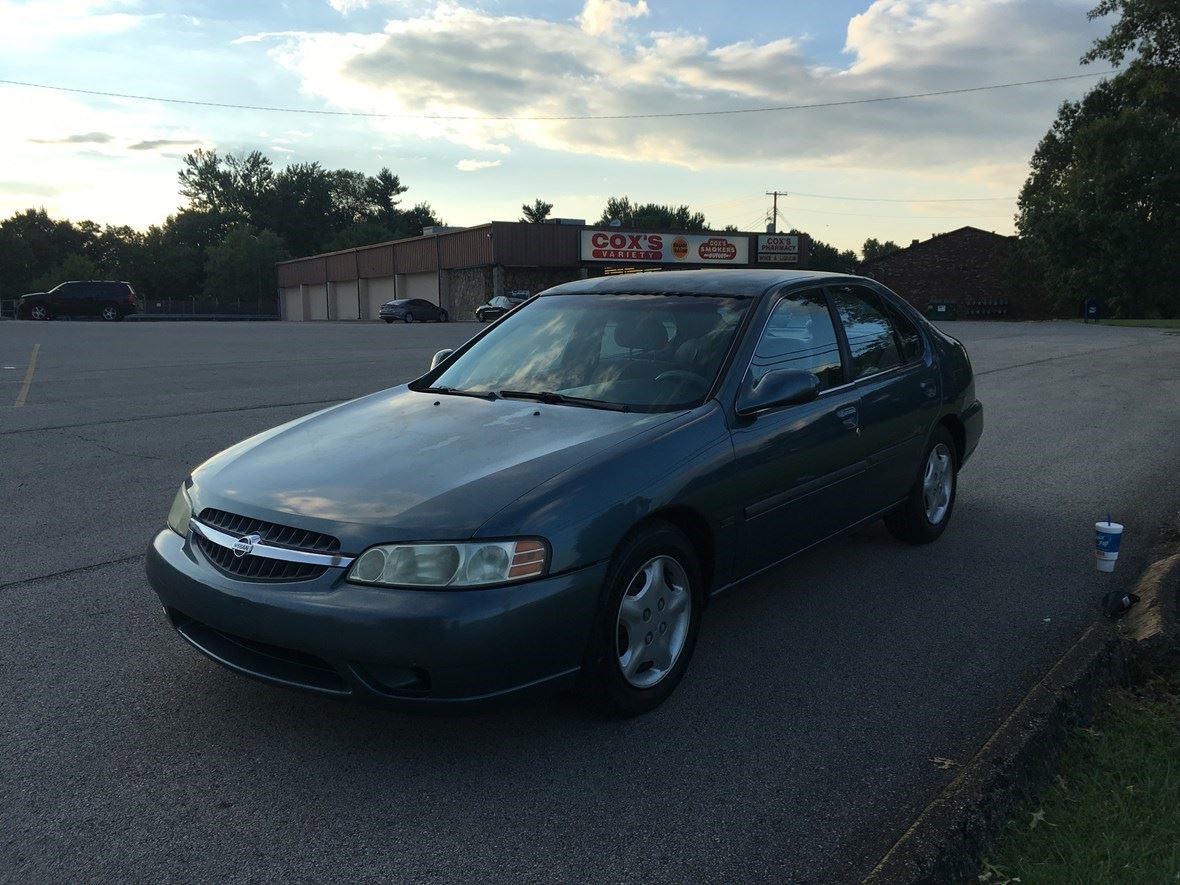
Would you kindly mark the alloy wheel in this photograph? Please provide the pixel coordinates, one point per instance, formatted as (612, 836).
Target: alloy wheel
(653, 620)
(938, 483)
(38, 312)
(110, 312)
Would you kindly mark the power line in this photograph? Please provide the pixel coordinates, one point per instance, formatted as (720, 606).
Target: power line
(901, 200)
(523, 119)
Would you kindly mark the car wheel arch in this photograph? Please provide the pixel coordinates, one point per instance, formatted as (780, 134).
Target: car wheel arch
(693, 526)
(958, 433)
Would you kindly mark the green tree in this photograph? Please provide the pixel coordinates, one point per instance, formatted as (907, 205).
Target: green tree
(652, 215)
(75, 266)
(31, 243)
(825, 256)
(363, 233)
(242, 266)
(384, 188)
(873, 248)
(537, 212)
(1098, 214)
(1149, 29)
(411, 222)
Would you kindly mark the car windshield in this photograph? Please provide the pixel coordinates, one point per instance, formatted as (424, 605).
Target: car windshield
(646, 352)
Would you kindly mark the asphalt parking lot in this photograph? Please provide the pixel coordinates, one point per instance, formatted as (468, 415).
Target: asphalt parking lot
(798, 748)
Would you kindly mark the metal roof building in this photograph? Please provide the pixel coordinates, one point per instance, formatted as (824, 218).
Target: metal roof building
(461, 268)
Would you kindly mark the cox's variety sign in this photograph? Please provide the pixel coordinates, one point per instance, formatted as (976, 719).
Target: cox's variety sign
(778, 249)
(613, 245)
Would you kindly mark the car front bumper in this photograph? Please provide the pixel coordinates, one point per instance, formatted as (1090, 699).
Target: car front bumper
(411, 648)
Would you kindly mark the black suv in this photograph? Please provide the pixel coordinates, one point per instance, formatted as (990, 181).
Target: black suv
(98, 298)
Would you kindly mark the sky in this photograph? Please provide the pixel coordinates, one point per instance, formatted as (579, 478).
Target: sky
(898, 170)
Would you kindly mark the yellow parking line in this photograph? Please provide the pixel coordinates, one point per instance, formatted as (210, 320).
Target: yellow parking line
(24, 388)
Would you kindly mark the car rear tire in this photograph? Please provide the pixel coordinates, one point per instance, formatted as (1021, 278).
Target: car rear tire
(647, 626)
(40, 312)
(110, 313)
(928, 507)
(442, 317)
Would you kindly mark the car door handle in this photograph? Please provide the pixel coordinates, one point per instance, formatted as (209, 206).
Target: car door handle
(849, 416)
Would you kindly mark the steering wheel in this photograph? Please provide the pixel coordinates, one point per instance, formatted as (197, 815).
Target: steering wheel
(684, 375)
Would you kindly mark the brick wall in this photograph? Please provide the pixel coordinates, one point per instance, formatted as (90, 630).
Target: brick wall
(465, 289)
(537, 279)
(965, 265)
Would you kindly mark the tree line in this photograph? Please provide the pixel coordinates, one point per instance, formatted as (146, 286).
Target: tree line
(241, 215)
(1098, 215)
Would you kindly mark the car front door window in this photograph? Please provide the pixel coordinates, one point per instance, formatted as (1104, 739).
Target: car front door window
(799, 335)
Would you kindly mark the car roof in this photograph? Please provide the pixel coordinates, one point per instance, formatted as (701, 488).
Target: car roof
(733, 282)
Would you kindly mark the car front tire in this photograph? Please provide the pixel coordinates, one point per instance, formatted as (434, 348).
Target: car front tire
(931, 501)
(388, 320)
(408, 318)
(647, 627)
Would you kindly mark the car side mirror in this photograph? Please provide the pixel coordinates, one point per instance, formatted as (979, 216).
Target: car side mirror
(781, 387)
(439, 357)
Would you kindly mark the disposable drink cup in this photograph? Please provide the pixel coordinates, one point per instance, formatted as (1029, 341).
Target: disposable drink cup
(1107, 537)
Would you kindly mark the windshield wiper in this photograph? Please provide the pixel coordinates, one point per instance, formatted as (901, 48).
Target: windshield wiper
(454, 391)
(553, 398)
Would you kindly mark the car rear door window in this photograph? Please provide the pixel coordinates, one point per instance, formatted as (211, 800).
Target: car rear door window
(871, 340)
(799, 335)
(907, 334)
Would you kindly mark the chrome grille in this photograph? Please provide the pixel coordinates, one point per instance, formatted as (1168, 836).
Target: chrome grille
(262, 568)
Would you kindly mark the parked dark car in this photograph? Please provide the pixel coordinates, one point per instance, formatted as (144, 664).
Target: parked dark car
(107, 299)
(497, 307)
(554, 503)
(410, 310)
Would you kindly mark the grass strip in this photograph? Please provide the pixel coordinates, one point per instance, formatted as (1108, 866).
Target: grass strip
(1113, 814)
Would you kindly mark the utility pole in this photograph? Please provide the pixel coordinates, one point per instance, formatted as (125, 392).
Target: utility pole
(774, 210)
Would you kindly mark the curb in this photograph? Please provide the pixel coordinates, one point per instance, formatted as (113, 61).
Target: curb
(947, 840)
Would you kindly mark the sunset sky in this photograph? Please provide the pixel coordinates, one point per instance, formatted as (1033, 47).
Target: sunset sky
(115, 160)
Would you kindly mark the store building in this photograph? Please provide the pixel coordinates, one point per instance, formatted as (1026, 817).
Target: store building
(461, 268)
(967, 268)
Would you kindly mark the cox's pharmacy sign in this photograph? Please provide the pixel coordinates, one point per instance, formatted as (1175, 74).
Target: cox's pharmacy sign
(778, 248)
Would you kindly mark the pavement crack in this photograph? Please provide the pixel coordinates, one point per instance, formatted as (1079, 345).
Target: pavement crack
(70, 571)
(312, 402)
(115, 451)
(1064, 356)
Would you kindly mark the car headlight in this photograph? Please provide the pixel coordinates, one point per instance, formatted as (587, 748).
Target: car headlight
(181, 513)
(475, 564)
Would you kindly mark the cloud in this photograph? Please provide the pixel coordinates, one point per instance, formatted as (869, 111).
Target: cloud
(457, 61)
(49, 21)
(603, 18)
(154, 144)
(28, 189)
(476, 165)
(80, 138)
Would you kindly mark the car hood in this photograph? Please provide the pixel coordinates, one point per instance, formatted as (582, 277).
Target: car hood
(406, 465)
